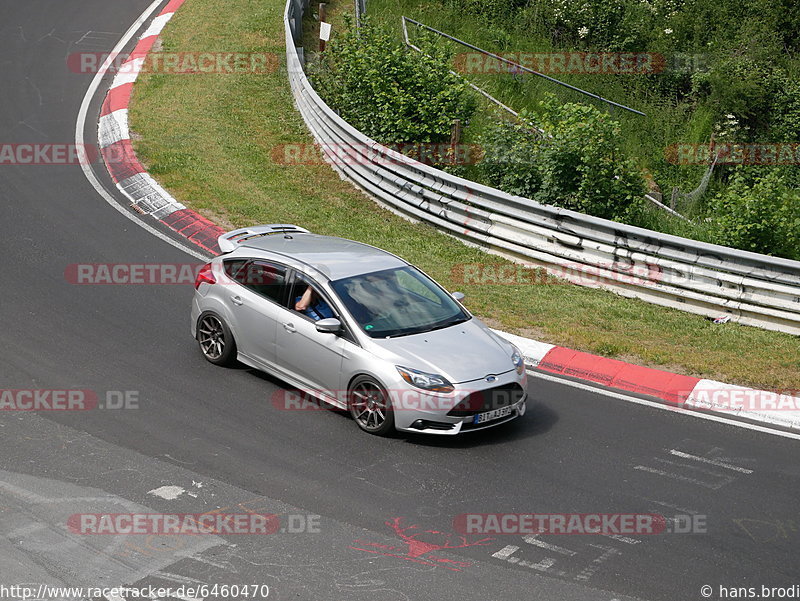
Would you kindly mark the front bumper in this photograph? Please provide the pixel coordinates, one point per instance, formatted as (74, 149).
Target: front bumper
(456, 412)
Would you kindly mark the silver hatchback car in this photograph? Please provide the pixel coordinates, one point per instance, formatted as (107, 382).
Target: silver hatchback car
(357, 328)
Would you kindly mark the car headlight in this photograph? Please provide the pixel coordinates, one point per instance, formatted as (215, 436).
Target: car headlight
(420, 379)
(519, 362)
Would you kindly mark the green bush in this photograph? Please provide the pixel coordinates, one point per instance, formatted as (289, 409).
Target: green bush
(388, 91)
(490, 10)
(577, 164)
(786, 111)
(745, 87)
(760, 212)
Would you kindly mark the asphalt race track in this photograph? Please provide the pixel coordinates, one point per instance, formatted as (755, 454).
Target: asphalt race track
(386, 506)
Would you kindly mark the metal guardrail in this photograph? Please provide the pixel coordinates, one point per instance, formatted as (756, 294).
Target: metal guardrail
(666, 270)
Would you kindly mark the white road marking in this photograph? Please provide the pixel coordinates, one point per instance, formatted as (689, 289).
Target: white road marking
(696, 468)
(680, 477)
(672, 506)
(170, 493)
(591, 569)
(170, 577)
(716, 462)
(533, 540)
(542, 566)
(506, 552)
(623, 539)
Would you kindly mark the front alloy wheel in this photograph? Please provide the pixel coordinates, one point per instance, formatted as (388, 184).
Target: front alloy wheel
(370, 406)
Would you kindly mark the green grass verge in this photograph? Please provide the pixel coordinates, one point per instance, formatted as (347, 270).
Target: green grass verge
(209, 139)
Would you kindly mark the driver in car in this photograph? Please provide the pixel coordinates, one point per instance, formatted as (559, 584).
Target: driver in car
(310, 303)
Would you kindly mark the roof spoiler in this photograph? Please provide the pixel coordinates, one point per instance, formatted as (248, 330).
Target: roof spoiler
(231, 240)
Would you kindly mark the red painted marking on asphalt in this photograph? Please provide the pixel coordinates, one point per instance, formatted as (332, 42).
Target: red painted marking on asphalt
(420, 543)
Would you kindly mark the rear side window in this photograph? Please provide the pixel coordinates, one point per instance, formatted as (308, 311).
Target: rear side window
(264, 278)
(232, 267)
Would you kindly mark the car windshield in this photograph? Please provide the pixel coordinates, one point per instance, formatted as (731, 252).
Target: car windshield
(398, 302)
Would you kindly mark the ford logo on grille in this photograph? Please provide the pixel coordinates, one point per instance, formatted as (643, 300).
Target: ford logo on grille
(491, 378)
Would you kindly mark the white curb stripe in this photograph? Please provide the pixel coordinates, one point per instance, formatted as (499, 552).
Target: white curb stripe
(157, 26)
(113, 128)
(128, 72)
(142, 190)
(148, 195)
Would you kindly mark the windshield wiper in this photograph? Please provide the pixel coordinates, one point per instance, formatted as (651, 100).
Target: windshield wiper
(447, 324)
(444, 325)
(425, 329)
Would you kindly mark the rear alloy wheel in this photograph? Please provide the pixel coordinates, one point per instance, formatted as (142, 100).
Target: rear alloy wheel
(370, 406)
(215, 340)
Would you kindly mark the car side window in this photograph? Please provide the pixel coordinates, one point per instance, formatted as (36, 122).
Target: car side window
(232, 267)
(264, 278)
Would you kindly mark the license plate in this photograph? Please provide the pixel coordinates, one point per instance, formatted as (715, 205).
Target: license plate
(491, 415)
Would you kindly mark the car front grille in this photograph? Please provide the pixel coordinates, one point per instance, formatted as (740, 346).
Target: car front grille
(488, 400)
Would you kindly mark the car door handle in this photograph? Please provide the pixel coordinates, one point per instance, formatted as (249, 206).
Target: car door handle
(289, 328)
(237, 300)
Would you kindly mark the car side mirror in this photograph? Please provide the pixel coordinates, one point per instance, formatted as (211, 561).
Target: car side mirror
(329, 325)
(459, 296)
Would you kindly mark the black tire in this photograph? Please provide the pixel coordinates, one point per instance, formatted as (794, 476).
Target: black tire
(216, 340)
(370, 406)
